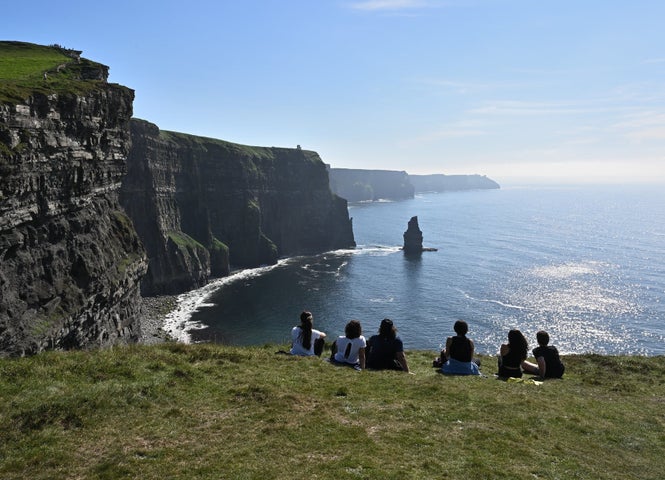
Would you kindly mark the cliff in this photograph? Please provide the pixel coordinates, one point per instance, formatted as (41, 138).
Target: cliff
(71, 261)
(445, 183)
(357, 185)
(202, 206)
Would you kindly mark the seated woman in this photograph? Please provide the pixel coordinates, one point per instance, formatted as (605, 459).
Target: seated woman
(350, 349)
(304, 339)
(457, 357)
(512, 355)
(385, 351)
(549, 363)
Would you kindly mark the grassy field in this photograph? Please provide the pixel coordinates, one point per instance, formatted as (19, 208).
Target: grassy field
(22, 67)
(208, 411)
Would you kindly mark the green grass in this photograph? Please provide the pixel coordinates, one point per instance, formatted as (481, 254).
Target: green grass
(22, 67)
(207, 411)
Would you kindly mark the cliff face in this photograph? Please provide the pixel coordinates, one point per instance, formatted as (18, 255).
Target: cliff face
(71, 262)
(201, 205)
(445, 183)
(357, 185)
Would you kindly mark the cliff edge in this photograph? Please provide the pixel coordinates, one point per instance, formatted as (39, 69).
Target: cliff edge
(203, 206)
(71, 261)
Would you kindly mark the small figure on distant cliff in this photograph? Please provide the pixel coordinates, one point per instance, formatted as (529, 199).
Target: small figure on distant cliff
(549, 363)
(457, 356)
(385, 351)
(305, 340)
(349, 349)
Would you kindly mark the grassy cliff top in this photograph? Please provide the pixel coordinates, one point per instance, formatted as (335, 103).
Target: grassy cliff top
(23, 67)
(208, 411)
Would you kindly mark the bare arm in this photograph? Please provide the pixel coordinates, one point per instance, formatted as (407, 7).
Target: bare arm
(361, 356)
(445, 355)
(504, 349)
(473, 348)
(401, 358)
(542, 366)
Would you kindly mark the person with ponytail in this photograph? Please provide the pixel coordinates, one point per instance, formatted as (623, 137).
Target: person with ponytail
(305, 340)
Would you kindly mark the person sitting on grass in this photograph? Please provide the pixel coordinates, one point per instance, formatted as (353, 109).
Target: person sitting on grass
(549, 363)
(457, 357)
(350, 349)
(305, 340)
(512, 355)
(385, 351)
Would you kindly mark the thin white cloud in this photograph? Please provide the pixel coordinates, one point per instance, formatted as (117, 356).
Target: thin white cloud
(523, 108)
(649, 125)
(372, 5)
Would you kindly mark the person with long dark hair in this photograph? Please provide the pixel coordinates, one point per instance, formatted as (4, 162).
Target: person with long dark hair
(349, 349)
(385, 351)
(512, 354)
(305, 340)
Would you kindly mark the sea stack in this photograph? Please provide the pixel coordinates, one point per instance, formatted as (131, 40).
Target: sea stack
(413, 238)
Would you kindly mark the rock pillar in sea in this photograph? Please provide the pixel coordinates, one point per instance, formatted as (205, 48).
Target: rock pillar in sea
(413, 237)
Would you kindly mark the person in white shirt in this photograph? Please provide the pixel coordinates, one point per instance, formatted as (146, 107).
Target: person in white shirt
(350, 348)
(305, 340)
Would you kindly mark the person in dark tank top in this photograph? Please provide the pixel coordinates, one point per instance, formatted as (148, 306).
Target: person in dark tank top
(457, 356)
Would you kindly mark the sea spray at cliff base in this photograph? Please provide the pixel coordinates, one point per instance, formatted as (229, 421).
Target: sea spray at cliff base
(584, 263)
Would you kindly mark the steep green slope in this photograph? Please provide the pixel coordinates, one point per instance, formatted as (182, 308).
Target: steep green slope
(26, 69)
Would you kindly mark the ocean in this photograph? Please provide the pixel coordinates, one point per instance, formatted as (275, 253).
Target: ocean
(585, 263)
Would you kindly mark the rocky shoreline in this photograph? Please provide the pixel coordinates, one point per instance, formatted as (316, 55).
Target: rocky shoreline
(153, 312)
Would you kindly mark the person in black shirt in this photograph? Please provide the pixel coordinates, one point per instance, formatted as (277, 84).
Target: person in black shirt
(457, 357)
(385, 351)
(547, 356)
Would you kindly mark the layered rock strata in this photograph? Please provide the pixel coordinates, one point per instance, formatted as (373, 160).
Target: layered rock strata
(70, 260)
(203, 206)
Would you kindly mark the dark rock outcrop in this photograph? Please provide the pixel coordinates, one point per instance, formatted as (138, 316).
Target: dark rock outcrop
(413, 239)
(447, 183)
(201, 205)
(357, 185)
(70, 260)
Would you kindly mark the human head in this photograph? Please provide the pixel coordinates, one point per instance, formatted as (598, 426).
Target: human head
(517, 341)
(461, 327)
(543, 338)
(306, 319)
(353, 329)
(387, 329)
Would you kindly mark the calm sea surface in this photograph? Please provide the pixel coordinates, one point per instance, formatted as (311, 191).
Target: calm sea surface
(585, 263)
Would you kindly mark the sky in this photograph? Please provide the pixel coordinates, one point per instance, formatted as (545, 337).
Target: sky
(518, 90)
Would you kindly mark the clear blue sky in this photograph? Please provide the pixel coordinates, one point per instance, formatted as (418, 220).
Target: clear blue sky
(559, 90)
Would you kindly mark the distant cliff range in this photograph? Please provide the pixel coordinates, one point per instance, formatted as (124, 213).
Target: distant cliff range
(356, 185)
